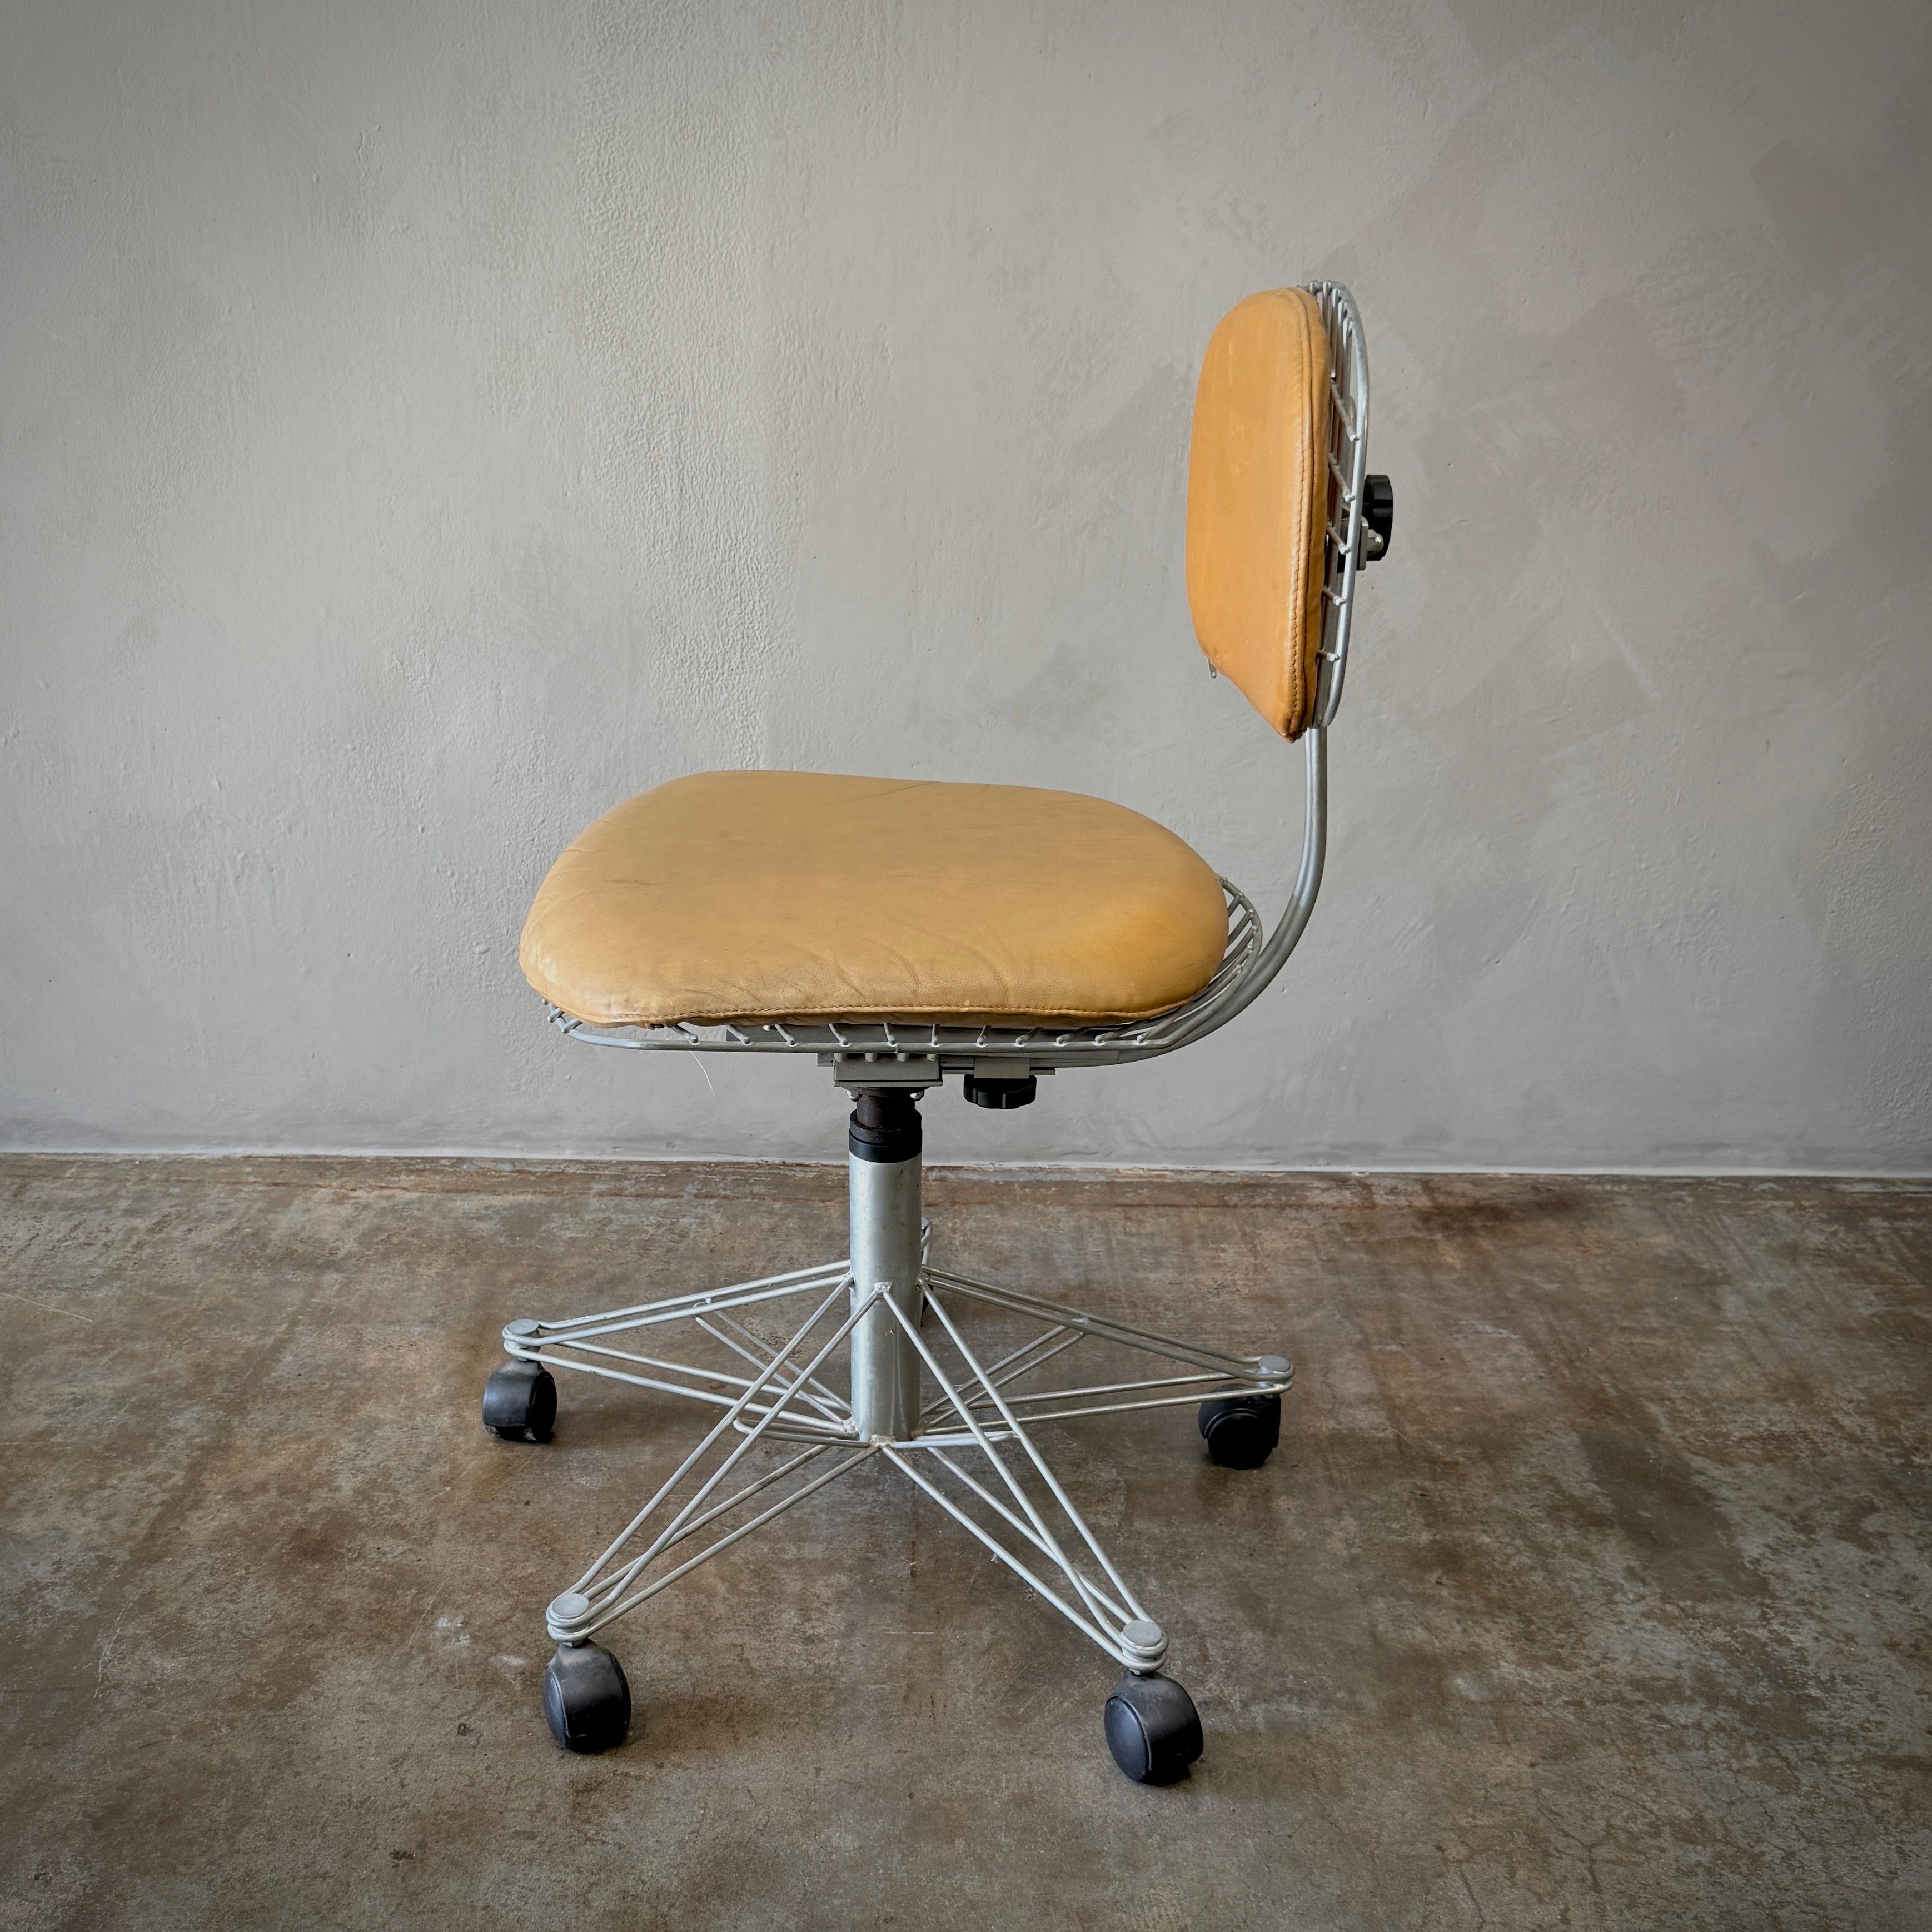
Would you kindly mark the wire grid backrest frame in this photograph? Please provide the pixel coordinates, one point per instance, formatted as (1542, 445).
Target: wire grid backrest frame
(902, 1051)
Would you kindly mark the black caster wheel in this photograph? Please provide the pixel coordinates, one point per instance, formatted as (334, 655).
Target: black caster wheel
(1241, 1430)
(586, 1702)
(520, 1403)
(1153, 1729)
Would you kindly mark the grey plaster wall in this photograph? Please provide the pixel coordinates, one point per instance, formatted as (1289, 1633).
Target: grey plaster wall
(421, 427)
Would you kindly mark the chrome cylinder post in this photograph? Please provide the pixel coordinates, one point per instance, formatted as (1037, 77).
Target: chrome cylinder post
(884, 1176)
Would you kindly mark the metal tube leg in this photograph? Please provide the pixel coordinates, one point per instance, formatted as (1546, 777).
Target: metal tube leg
(884, 1176)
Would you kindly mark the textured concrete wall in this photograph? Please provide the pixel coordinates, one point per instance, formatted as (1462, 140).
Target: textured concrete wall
(421, 427)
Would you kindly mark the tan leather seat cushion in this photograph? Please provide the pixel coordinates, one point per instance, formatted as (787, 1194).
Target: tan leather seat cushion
(1258, 501)
(757, 895)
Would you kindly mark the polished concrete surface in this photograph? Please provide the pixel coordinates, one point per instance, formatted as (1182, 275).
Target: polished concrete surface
(1588, 1588)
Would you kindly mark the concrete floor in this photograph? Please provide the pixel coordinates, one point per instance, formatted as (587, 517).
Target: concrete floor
(1588, 1588)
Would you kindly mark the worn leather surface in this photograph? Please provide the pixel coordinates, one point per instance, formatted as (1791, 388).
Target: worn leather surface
(782, 895)
(1258, 501)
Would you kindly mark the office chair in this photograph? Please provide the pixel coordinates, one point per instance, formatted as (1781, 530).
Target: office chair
(907, 933)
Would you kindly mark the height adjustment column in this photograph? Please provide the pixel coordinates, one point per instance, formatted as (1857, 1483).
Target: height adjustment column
(885, 1173)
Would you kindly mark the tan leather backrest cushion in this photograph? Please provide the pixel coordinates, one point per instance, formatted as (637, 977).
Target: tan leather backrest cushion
(1258, 501)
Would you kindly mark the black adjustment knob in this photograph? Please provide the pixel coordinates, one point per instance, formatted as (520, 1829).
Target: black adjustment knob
(1378, 519)
(1004, 1094)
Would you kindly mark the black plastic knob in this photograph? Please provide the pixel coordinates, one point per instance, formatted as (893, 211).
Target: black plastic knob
(1378, 519)
(1004, 1094)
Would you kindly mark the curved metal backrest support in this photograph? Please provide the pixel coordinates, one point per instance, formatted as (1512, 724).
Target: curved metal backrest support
(1348, 470)
(904, 1052)
(1269, 958)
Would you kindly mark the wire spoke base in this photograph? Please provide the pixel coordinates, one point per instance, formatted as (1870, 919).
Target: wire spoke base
(767, 1358)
